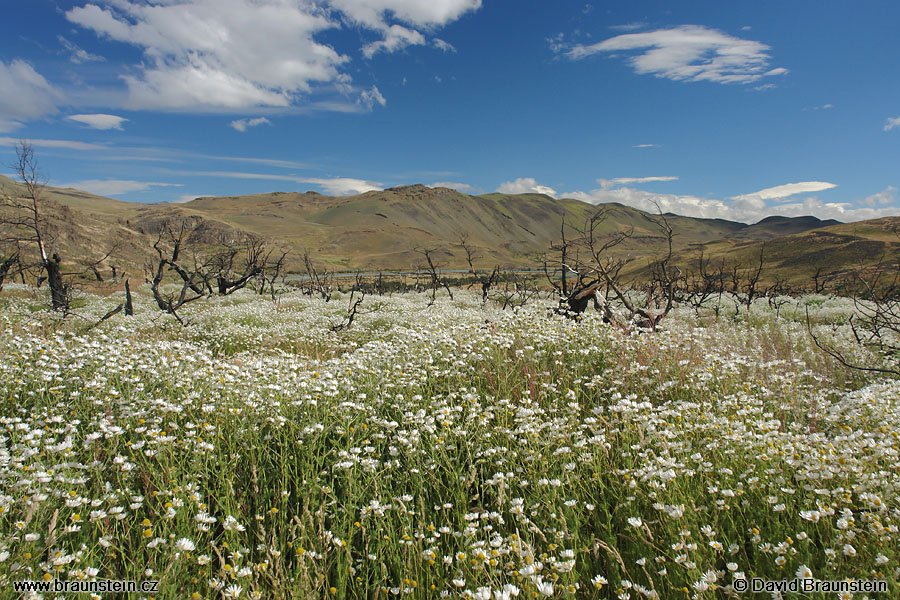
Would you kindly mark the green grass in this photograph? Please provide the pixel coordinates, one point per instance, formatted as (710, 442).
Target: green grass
(438, 450)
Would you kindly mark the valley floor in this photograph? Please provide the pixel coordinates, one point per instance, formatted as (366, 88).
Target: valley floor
(453, 451)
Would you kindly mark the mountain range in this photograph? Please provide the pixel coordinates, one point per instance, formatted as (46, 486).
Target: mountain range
(388, 229)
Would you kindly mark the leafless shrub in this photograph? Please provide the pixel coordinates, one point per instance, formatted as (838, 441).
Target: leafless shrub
(876, 324)
(352, 309)
(435, 279)
(318, 281)
(484, 280)
(597, 272)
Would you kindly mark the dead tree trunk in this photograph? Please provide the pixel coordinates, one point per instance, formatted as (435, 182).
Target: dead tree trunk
(129, 306)
(6, 267)
(59, 296)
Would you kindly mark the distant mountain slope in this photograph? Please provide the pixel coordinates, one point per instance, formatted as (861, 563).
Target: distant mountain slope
(384, 229)
(84, 228)
(772, 227)
(842, 249)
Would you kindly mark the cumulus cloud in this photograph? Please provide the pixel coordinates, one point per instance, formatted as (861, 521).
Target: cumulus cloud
(420, 13)
(885, 196)
(216, 53)
(891, 123)
(396, 37)
(99, 121)
(690, 206)
(525, 185)
(232, 54)
(689, 53)
(243, 124)
(789, 189)
(345, 186)
(115, 187)
(24, 94)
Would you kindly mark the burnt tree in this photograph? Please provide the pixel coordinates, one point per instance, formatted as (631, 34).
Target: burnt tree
(482, 279)
(597, 271)
(435, 281)
(876, 322)
(23, 223)
(168, 248)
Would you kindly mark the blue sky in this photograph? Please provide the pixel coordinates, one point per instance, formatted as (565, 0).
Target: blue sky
(714, 109)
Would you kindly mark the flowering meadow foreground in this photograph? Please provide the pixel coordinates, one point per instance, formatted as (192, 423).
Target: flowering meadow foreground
(446, 451)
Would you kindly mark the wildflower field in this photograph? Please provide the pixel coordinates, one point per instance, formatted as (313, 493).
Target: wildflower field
(454, 451)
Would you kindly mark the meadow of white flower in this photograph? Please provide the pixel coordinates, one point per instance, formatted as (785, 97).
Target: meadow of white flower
(452, 451)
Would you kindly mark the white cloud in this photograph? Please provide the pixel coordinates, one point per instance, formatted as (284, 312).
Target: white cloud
(114, 187)
(217, 53)
(99, 121)
(885, 196)
(78, 55)
(369, 98)
(24, 94)
(465, 188)
(689, 53)
(628, 26)
(243, 175)
(199, 85)
(339, 186)
(272, 162)
(396, 37)
(67, 144)
(891, 123)
(841, 211)
(691, 206)
(789, 189)
(243, 124)
(646, 146)
(221, 55)
(442, 45)
(525, 185)
(345, 186)
(558, 43)
(620, 181)
(749, 208)
(420, 13)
